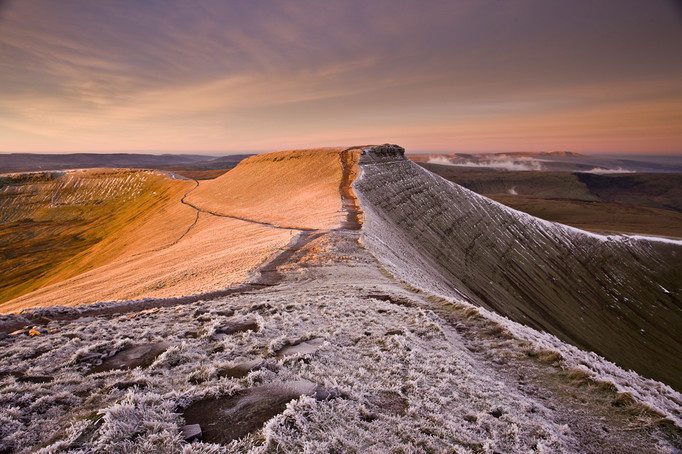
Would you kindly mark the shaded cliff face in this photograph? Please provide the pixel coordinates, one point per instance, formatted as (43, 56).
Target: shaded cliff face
(619, 297)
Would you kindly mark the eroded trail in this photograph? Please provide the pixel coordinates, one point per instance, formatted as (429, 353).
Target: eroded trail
(350, 204)
(39, 317)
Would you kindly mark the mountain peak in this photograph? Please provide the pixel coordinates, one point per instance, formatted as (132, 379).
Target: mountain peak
(382, 153)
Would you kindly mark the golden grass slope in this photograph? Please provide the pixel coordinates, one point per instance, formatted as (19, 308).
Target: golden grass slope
(297, 189)
(216, 254)
(139, 234)
(56, 225)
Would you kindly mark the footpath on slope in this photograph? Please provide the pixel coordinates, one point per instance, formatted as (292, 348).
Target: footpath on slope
(619, 297)
(239, 222)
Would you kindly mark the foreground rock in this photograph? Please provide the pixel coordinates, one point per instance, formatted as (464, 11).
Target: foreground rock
(229, 418)
(130, 358)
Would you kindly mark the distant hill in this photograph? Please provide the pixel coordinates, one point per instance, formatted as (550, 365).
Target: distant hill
(29, 162)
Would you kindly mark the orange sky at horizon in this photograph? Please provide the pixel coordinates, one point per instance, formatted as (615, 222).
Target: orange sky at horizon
(227, 77)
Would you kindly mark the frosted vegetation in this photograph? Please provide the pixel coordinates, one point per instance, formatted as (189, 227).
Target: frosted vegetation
(364, 362)
(614, 295)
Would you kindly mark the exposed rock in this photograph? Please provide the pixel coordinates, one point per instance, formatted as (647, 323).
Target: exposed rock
(322, 393)
(199, 312)
(382, 153)
(228, 418)
(391, 299)
(389, 402)
(260, 308)
(470, 418)
(225, 313)
(191, 432)
(302, 347)
(496, 413)
(237, 326)
(130, 358)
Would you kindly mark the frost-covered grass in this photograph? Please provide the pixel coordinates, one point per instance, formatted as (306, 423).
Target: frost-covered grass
(407, 381)
(616, 295)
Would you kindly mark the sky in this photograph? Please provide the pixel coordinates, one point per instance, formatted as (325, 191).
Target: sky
(433, 76)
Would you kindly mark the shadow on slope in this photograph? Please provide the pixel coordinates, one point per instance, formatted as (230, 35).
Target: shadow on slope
(619, 297)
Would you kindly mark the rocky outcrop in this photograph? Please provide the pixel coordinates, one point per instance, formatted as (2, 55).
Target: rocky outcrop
(617, 296)
(381, 153)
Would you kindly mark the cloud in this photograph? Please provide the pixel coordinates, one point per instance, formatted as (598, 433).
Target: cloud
(601, 170)
(494, 162)
(235, 75)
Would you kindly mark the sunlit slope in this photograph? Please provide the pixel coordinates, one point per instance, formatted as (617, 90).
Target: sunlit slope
(139, 234)
(618, 297)
(217, 253)
(55, 225)
(79, 237)
(290, 188)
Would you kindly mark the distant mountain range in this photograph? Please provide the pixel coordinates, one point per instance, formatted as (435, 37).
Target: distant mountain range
(29, 162)
(566, 161)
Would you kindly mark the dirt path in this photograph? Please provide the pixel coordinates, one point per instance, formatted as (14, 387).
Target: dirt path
(348, 199)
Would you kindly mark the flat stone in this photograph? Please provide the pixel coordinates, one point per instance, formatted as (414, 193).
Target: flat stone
(240, 370)
(237, 326)
(302, 347)
(229, 418)
(225, 313)
(322, 393)
(130, 358)
(200, 312)
(191, 432)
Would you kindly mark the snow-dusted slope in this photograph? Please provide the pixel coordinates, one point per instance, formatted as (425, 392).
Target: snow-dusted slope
(387, 370)
(617, 296)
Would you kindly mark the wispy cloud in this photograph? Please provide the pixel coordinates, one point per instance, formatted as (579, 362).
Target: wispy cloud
(243, 75)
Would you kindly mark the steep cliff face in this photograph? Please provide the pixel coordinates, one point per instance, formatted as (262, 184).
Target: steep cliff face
(620, 297)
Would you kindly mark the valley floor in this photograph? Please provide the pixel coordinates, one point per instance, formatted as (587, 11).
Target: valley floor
(334, 355)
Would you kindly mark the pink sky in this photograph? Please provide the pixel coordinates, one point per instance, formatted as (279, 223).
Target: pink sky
(213, 76)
